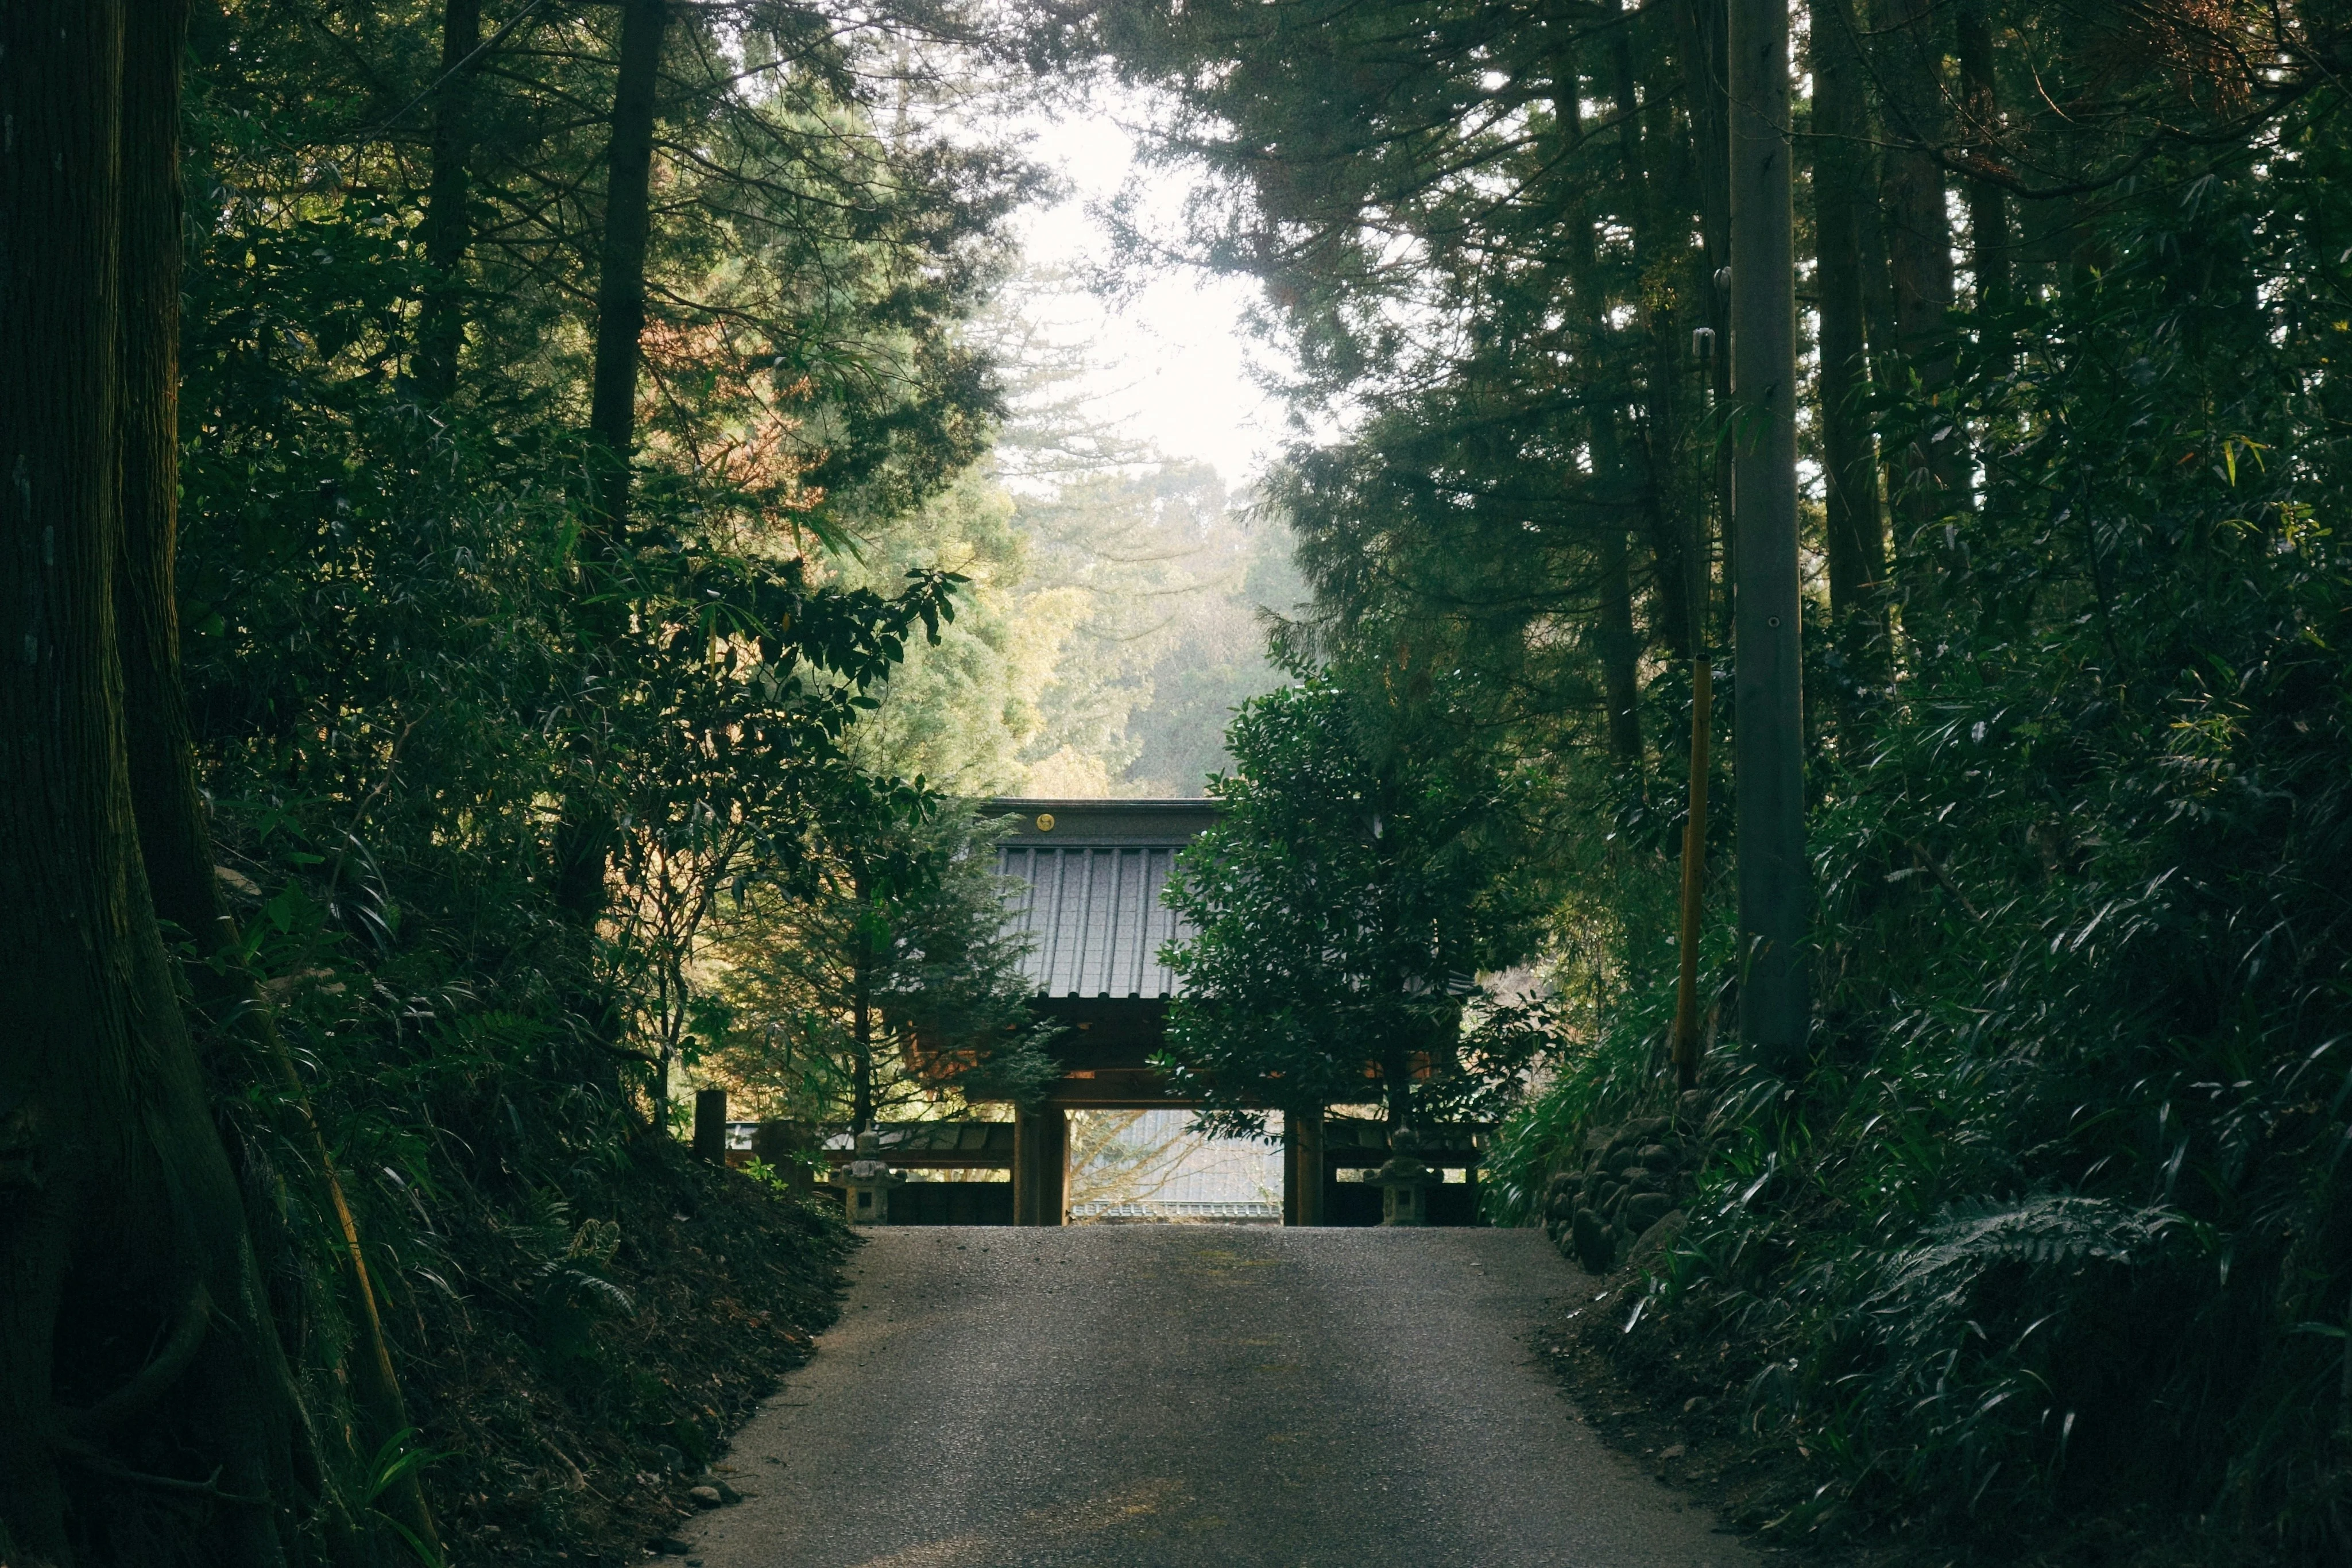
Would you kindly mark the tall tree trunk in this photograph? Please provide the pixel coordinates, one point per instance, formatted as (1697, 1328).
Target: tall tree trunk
(585, 837)
(620, 280)
(1615, 640)
(1680, 531)
(1768, 719)
(441, 332)
(164, 794)
(134, 1335)
(1919, 244)
(1919, 230)
(1856, 533)
(1675, 532)
(1699, 30)
(1988, 204)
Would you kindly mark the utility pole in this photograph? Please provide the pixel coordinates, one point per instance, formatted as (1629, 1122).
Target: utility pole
(1775, 895)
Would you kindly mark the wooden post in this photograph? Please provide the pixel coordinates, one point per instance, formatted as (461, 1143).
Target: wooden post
(1769, 729)
(1041, 1146)
(1693, 877)
(1291, 1184)
(781, 1144)
(1302, 1167)
(711, 1125)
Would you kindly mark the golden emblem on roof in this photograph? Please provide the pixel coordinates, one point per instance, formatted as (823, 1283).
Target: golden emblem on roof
(1044, 821)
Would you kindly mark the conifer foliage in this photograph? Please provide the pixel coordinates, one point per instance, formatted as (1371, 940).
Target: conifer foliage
(2050, 1217)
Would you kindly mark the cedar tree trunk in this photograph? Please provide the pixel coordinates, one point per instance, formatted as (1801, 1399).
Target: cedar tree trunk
(1856, 532)
(142, 1394)
(584, 840)
(441, 333)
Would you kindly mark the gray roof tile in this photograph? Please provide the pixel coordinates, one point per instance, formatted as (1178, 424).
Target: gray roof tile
(1094, 914)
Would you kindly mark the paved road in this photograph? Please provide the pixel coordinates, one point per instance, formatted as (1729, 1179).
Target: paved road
(1192, 1396)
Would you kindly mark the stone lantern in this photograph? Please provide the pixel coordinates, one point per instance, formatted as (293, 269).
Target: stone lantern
(866, 1182)
(1404, 1182)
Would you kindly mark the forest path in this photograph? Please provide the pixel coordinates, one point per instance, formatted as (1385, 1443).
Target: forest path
(1150, 1396)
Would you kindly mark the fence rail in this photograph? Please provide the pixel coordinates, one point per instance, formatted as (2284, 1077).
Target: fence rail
(1178, 1208)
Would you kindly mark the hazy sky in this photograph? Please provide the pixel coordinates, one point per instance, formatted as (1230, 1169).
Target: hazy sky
(1171, 361)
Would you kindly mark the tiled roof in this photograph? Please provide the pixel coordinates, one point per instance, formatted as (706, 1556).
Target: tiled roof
(1095, 918)
(1088, 876)
(900, 1139)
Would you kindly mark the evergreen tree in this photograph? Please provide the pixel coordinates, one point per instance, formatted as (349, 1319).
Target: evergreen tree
(878, 978)
(1340, 912)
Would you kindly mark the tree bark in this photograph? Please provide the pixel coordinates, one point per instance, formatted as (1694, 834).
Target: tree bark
(1615, 640)
(1919, 246)
(1700, 25)
(1676, 532)
(1619, 683)
(121, 1226)
(1775, 896)
(448, 230)
(1919, 230)
(621, 281)
(1856, 531)
(585, 838)
(165, 796)
(1988, 204)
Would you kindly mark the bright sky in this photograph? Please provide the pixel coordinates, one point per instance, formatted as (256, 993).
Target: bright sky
(1171, 360)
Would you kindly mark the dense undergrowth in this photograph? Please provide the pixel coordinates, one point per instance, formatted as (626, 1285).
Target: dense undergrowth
(2059, 1223)
(578, 1310)
(576, 1378)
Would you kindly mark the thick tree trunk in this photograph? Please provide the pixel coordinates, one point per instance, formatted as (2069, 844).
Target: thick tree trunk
(121, 1229)
(1767, 716)
(1919, 230)
(621, 281)
(441, 332)
(169, 805)
(1856, 531)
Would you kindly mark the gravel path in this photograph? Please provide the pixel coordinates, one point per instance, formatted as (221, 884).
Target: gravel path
(1166, 1397)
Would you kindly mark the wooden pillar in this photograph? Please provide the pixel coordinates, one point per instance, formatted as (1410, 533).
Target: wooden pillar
(1040, 1145)
(1290, 1183)
(1302, 1168)
(711, 1125)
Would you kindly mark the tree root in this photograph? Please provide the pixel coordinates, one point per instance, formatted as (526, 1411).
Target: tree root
(89, 1459)
(153, 1380)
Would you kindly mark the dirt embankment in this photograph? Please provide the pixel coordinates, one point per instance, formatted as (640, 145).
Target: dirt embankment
(575, 1362)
